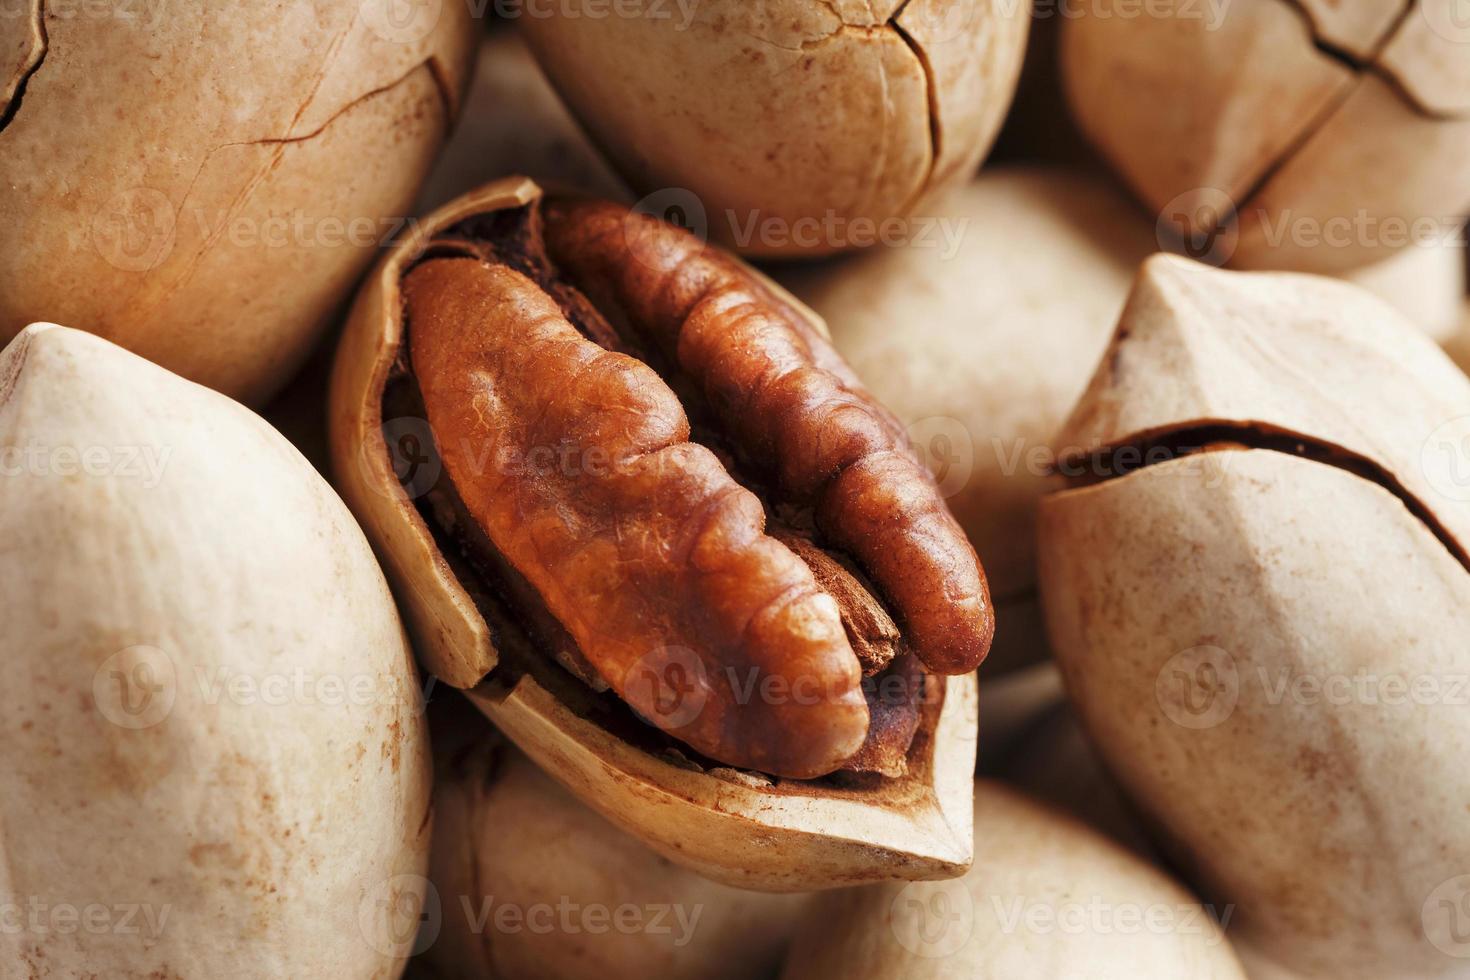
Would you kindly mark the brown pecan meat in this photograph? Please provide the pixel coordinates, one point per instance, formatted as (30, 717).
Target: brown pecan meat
(604, 401)
(791, 402)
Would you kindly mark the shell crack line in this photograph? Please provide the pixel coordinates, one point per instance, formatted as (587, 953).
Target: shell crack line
(40, 45)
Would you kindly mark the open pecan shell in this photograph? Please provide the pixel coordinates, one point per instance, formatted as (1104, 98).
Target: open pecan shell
(740, 825)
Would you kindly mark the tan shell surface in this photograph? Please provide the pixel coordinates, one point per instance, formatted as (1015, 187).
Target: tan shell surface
(967, 337)
(1297, 354)
(1163, 98)
(1319, 136)
(783, 121)
(1360, 186)
(1426, 58)
(1048, 898)
(593, 901)
(1215, 639)
(1425, 283)
(1267, 649)
(734, 827)
(204, 186)
(213, 744)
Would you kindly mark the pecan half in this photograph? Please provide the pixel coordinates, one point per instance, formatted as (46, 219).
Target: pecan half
(680, 486)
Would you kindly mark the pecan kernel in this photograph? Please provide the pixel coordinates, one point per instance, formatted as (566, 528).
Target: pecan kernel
(639, 541)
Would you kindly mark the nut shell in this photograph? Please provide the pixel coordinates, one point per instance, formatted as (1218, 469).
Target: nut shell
(508, 835)
(735, 827)
(211, 707)
(1206, 609)
(1281, 135)
(1022, 912)
(785, 110)
(204, 187)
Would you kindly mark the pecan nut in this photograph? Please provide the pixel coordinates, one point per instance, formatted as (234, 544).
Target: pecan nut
(682, 490)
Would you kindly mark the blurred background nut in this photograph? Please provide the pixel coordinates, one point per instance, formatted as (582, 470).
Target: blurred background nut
(1047, 897)
(515, 123)
(535, 886)
(1426, 283)
(979, 335)
(1315, 136)
(797, 125)
(1262, 624)
(203, 184)
(213, 729)
(1031, 739)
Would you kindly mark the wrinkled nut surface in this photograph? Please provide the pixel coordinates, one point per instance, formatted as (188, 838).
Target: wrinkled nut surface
(507, 835)
(642, 557)
(204, 186)
(1257, 589)
(216, 737)
(1316, 136)
(791, 127)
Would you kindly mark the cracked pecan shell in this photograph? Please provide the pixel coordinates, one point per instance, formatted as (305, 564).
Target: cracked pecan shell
(639, 543)
(809, 118)
(1311, 135)
(898, 806)
(182, 163)
(1260, 552)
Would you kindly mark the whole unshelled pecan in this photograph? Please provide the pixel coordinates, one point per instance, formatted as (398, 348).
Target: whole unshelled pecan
(683, 491)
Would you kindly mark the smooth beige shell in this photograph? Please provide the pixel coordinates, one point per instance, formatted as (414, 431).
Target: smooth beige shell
(585, 899)
(1268, 649)
(1334, 130)
(781, 122)
(735, 827)
(203, 184)
(1425, 283)
(214, 762)
(1047, 898)
(980, 336)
